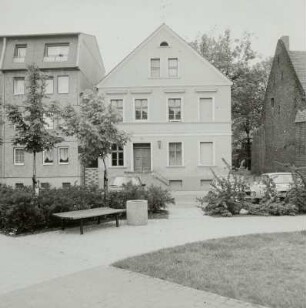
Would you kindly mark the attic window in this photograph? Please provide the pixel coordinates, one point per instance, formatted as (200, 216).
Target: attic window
(164, 44)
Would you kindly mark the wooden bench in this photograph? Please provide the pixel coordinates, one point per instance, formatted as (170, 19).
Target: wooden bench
(81, 215)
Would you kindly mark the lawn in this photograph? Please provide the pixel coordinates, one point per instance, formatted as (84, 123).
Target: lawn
(266, 269)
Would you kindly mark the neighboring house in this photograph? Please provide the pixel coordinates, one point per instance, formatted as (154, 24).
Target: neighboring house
(282, 136)
(176, 107)
(73, 63)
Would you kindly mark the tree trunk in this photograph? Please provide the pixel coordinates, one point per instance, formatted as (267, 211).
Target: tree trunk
(248, 151)
(34, 181)
(105, 182)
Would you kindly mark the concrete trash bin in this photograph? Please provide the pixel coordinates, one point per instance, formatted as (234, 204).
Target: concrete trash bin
(137, 212)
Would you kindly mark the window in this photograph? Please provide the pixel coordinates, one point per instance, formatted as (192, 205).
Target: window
(49, 85)
(117, 104)
(206, 154)
(174, 109)
(175, 154)
(63, 155)
(63, 84)
(173, 67)
(164, 44)
(117, 156)
(48, 157)
(56, 53)
(19, 185)
(66, 185)
(18, 156)
(155, 68)
(206, 109)
(20, 53)
(18, 85)
(45, 185)
(141, 109)
(49, 121)
(92, 164)
(272, 102)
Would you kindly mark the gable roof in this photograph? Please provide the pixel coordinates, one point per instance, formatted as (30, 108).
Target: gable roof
(298, 59)
(149, 38)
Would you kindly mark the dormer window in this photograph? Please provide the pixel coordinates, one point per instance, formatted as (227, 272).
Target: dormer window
(164, 44)
(56, 52)
(20, 53)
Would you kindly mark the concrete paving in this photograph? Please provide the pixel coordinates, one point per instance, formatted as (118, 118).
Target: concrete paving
(47, 257)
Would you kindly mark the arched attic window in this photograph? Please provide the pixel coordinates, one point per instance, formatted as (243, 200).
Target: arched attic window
(164, 44)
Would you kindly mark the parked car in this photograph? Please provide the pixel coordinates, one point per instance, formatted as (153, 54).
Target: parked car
(119, 181)
(283, 181)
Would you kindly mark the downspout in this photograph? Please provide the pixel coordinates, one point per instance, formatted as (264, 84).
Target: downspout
(3, 107)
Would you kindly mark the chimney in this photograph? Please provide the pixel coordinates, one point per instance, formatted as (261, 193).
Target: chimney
(285, 40)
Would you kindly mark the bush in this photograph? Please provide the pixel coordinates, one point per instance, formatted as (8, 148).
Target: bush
(297, 196)
(273, 208)
(157, 197)
(21, 211)
(226, 196)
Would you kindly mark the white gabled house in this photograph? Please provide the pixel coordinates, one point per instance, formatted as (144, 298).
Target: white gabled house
(177, 108)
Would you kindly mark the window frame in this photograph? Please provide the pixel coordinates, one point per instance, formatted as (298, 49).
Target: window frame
(159, 68)
(55, 58)
(118, 99)
(16, 58)
(213, 108)
(14, 156)
(148, 110)
(168, 155)
(43, 158)
(58, 78)
(117, 151)
(50, 78)
(168, 114)
(177, 68)
(59, 155)
(14, 85)
(213, 154)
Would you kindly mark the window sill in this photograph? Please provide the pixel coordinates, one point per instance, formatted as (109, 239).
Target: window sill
(16, 164)
(175, 167)
(51, 164)
(207, 166)
(63, 163)
(117, 167)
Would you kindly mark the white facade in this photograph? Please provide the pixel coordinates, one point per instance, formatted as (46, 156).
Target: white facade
(176, 107)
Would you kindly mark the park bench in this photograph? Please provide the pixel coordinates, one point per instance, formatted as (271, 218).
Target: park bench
(81, 215)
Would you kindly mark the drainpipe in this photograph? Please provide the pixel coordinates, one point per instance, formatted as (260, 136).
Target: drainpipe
(3, 107)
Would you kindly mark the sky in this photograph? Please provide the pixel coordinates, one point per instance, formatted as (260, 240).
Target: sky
(120, 25)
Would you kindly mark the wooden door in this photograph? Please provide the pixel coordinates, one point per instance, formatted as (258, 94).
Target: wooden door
(142, 157)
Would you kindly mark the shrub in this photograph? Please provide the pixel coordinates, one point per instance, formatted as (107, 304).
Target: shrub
(21, 211)
(157, 197)
(226, 196)
(273, 208)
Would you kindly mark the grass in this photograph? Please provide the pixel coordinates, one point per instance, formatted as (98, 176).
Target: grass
(267, 269)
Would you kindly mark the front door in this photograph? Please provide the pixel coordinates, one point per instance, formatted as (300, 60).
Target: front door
(142, 157)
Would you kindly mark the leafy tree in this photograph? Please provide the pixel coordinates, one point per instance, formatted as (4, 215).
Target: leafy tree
(94, 125)
(29, 119)
(236, 59)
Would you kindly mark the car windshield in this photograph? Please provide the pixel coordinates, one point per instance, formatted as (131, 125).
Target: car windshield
(282, 178)
(119, 181)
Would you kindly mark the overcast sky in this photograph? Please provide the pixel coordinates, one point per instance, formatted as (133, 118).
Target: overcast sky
(120, 25)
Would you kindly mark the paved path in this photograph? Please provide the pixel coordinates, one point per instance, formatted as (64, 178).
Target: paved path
(51, 257)
(108, 287)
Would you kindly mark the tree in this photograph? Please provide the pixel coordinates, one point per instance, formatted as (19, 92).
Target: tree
(29, 119)
(236, 59)
(94, 126)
